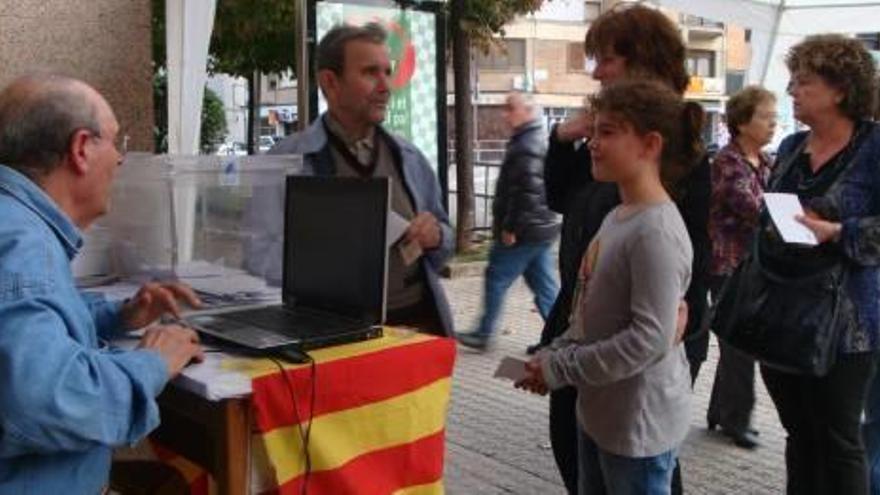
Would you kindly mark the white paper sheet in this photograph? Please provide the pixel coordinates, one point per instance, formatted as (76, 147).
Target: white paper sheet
(210, 379)
(117, 291)
(511, 368)
(783, 208)
(397, 226)
(216, 285)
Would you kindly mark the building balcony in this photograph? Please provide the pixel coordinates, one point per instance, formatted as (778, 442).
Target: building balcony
(705, 86)
(696, 22)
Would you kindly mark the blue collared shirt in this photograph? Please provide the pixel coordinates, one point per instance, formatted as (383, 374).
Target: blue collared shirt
(64, 401)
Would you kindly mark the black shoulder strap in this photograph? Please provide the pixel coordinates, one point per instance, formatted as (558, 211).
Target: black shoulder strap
(782, 168)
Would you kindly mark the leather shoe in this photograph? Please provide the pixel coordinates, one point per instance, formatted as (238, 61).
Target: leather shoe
(745, 439)
(473, 340)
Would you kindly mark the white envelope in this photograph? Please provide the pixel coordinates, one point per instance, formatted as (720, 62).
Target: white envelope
(511, 368)
(783, 208)
(397, 226)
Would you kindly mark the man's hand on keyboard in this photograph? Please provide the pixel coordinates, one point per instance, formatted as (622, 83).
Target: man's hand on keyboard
(155, 299)
(177, 345)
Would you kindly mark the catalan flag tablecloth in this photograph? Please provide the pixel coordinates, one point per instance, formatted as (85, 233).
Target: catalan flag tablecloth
(378, 421)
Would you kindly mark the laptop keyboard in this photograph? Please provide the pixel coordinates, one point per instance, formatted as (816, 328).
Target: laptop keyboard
(296, 323)
(241, 333)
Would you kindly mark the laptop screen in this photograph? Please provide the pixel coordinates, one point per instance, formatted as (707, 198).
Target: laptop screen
(334, 245)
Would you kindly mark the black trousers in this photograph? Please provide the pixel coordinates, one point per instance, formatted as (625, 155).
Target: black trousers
(733, 391)
(564, 435)
(824, 453)
(422, 316)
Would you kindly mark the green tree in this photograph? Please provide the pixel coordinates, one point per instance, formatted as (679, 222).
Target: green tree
(213, 130)
(472, 23)
(250, 37)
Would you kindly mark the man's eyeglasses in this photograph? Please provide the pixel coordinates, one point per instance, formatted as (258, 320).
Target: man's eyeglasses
(120, 143)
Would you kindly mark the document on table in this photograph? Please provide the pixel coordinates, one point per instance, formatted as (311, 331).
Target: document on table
(220, 376)
(220, 286)
(783, 208)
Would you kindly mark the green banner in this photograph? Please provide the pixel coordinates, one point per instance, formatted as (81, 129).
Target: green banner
(412, 47)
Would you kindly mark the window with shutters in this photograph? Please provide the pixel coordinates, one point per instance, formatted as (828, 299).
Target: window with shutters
(509, 57)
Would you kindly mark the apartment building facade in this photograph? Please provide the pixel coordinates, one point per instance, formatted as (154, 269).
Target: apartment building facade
(542, 54)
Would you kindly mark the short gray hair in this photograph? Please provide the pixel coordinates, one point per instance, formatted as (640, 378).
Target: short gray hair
(38, 115)
(530, 102)
(330, 53)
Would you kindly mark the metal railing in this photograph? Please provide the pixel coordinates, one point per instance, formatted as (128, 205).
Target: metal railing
(697, 21)
(487, 164)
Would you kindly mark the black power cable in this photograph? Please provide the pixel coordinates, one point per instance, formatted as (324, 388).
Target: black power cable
(295, 356)
(304, 432)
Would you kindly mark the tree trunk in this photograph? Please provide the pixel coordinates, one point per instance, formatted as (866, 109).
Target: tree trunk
(253, 128)
(464, 130)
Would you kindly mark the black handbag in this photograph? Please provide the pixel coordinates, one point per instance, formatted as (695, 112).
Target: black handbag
(790, 323)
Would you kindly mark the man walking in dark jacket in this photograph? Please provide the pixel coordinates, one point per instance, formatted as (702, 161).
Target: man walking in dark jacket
(523, 225)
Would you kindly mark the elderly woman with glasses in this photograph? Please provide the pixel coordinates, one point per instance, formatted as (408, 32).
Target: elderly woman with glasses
(739, 175)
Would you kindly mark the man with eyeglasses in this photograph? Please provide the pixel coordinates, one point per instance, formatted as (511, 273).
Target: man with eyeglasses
(65, 400)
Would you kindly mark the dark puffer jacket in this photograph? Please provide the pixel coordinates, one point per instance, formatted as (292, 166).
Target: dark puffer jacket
(520, 204)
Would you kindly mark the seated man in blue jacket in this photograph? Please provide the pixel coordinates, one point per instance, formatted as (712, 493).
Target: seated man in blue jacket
(65, 399)
(354, 73)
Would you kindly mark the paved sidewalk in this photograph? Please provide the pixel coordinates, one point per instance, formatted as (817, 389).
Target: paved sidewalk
(497, 440)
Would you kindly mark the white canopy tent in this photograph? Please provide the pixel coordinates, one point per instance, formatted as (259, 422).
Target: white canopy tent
(777, 25)
(188, 25)
(188, 33)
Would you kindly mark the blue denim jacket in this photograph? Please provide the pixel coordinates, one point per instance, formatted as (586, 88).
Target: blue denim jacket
(64, 402)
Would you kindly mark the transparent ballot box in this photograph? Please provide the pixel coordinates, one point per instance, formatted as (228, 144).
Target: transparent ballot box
(211, 221)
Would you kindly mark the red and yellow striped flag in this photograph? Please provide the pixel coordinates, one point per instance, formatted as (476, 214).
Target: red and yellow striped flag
(197, 478)
(379, 417)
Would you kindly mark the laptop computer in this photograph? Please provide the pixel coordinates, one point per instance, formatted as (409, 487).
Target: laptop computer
(334, 270)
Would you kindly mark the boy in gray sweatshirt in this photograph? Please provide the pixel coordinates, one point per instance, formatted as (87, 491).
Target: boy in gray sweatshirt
(622, 351)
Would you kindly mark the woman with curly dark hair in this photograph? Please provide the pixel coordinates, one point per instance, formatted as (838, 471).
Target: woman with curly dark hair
(834, 169)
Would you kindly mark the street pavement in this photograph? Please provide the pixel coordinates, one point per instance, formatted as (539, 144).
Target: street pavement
(497, 440)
